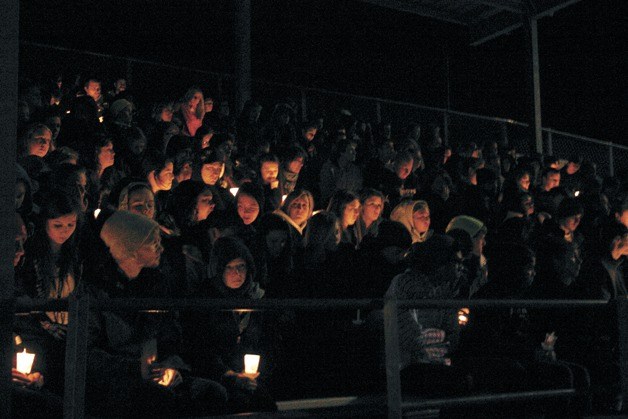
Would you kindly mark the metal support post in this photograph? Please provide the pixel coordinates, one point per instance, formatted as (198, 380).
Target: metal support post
(622, 324)
(378, 112)
(76, 357)
(445, 127)
(533, 37)
(129, 72)
(303, 106)
(242, 53)
(611, 160)
(550, 144)
(6, 355)
(393, 358)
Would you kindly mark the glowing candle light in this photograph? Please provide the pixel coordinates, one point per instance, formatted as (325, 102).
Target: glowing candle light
(166, 379)
(234, 191)
(283, 198)
(96, 213)
(463, 316)
(25, 362)
(251, 363)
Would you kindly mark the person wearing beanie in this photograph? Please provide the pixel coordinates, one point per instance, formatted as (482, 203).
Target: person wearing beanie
(477, 231)
(415, 216)
(134, 369)
(427, 336)
(218, 340)
(121, 113)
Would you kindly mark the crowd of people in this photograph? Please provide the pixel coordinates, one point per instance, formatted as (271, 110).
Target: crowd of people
(120, 199)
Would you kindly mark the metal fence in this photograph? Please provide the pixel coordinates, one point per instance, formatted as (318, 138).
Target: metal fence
(395, 406)
(155, 81)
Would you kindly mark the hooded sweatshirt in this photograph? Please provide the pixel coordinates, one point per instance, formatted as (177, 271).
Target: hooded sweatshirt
(403, 214)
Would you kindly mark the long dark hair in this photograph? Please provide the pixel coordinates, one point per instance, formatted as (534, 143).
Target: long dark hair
(56, 204)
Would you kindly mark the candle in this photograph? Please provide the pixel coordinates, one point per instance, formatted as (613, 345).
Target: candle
(251, 363)
(167, 377)
(25, 362)
(463, 316)
(283, 198)
(234, 191)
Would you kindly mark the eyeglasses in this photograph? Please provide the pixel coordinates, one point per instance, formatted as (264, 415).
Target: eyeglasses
(239, 268)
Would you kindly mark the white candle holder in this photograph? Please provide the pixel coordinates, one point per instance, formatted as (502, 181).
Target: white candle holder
(25, 362)
(251, 363)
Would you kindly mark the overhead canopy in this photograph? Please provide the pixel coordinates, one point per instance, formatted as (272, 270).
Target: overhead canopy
(486, 19)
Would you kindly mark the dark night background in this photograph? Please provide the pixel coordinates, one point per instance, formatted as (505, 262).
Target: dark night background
(350, 46)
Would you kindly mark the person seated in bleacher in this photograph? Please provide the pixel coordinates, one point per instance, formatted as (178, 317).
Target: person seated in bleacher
(217, 341)
(51, 269)
(133, 363)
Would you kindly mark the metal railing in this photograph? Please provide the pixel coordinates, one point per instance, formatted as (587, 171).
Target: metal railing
(79, 312)
(457, 126)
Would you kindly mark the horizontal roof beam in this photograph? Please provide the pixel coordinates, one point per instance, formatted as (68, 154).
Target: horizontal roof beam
(416, 8)
(502, 25)
(506, 5)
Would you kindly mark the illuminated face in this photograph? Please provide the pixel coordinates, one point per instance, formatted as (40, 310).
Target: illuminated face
(142, 202)
(309, 134)
(165, 177)
(403, 170)
(248, 208)
(276, 241)
(299, 210)
(60, 229)
(524, 182)
(195, 100)
(209, 105)
(234, 274)
(120, 85)
(572, 168)
(551, 181)
(478, 244)
(622, 217)
(106, 156)
(295, 165)
(40, 144)
(54, 123)
(570, 224)
(269, 171)
(372, 209)
(211, 172)
(421, 220)
(93, 89)
(351, 213)
(204, 206)
(528, 205)
(166, 115)
(149, 254)
(619, 247)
